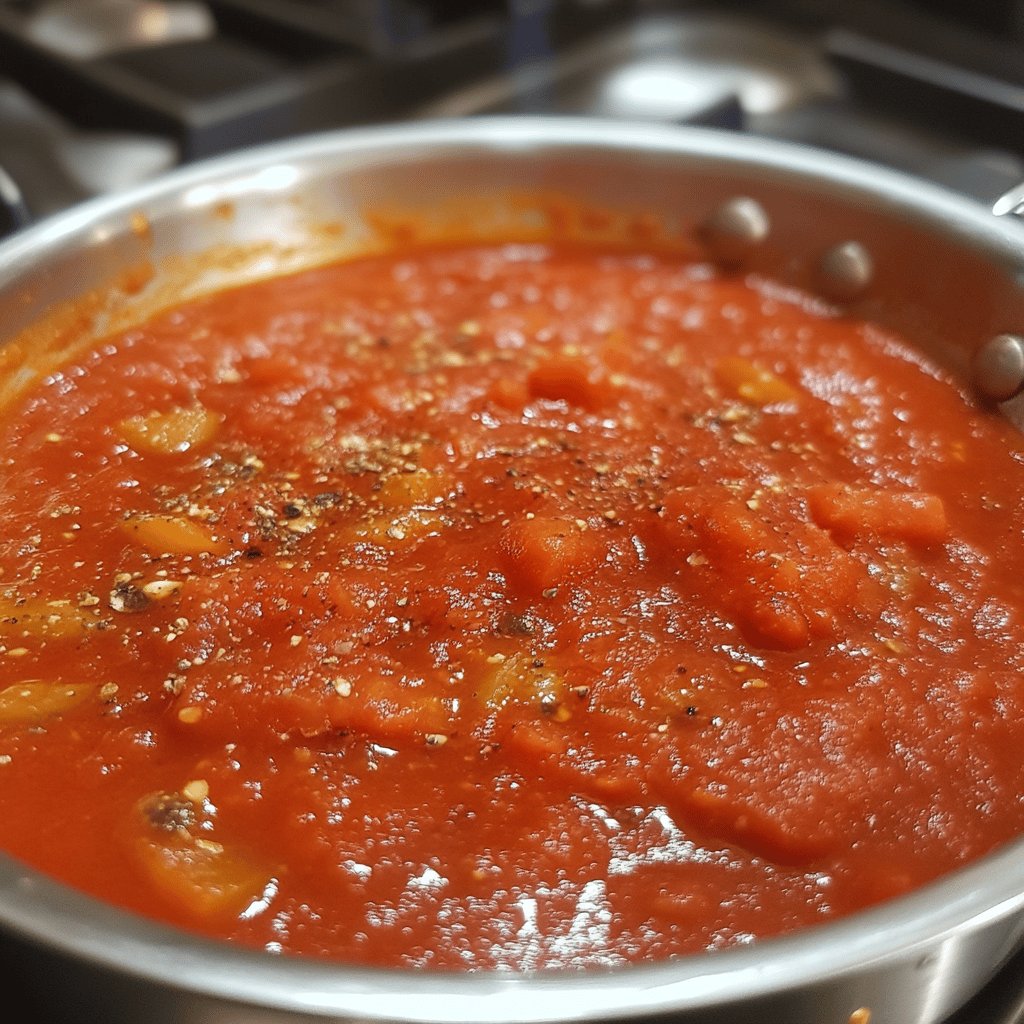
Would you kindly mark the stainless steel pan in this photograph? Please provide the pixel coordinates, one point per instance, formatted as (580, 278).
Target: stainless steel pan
(941, 268)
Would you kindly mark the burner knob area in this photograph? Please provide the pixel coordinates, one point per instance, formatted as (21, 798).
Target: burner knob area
(13, 211)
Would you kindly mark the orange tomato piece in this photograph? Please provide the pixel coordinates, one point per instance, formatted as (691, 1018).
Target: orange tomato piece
(170, 433)
(202, 879)
(39, 618)
(848, 512)
(542, 552)
(752, 383)
(32, 703)
(568, 378)
(174, 535)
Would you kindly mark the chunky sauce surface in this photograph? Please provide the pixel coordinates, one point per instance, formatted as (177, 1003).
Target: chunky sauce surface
(510, 606)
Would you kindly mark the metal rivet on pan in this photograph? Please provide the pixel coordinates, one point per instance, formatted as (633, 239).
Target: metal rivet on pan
(737, 226)
(998, 367)
(845, 271)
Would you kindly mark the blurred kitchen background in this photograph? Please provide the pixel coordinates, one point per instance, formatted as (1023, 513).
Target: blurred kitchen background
(96, 95)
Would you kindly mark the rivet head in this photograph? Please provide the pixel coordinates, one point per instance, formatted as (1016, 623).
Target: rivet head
(735, 228)
(998, 367)
(845, 271)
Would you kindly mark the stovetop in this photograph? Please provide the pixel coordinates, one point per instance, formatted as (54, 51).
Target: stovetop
(98, 95)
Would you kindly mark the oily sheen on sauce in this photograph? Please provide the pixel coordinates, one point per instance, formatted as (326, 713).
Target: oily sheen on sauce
(507, 606)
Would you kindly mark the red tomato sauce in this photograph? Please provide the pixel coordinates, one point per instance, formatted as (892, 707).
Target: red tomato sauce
(507, 607)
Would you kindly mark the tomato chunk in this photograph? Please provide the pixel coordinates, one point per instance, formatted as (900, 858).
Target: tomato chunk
(784, 585)
(910, 516)
(541, 552)
(569, 378)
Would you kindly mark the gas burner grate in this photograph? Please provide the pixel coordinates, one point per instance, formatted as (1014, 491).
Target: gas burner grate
(225, 73)
(210, 86)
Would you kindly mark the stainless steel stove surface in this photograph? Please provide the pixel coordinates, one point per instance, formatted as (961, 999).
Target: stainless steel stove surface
(97, 95)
